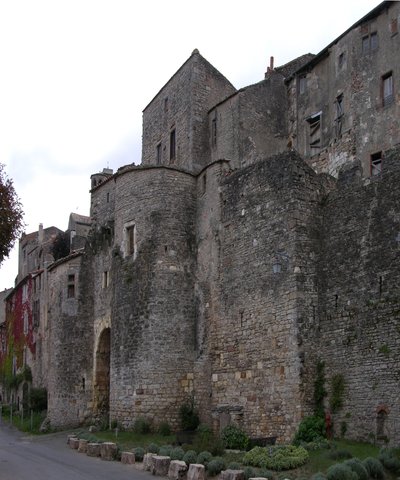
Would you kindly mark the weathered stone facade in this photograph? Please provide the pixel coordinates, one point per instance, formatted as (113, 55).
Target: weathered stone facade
(259, 237)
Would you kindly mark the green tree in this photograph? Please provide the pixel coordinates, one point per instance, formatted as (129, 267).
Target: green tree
(11, 215)
(60, 248)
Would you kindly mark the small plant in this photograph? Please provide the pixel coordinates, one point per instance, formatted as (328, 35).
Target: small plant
(263, 473)
(164, 429)
(340, 471)
(384, 349)
(204, 457)
(234, 437)
(177, 453)
(206, 440)
(153, 448)
(189, 416)
(343, 428)
(215, 466)
(337, 391)
(311, 429)
(356, 465)
(340, 454)
(249, 473)
(141, 426)
(388, 458)
(38, 399)
(374, 468)
(190, 457)
(139, 454)
(318, 476)
(234, 466)
(165, 450)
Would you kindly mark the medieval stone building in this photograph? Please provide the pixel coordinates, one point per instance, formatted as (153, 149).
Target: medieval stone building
(259, 237)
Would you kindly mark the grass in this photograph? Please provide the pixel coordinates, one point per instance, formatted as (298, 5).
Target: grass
(128, 440)
(28, 423)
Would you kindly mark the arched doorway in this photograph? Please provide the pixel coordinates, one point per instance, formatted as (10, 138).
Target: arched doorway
(102, 378)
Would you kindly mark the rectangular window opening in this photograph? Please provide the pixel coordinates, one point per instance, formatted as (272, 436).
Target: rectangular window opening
(314, 133)
(341, 60)
(214, 132)
(172, 146)
(71, 286)
(106, 279)
(130, 240)
(158, 154)
(302, 84)
(370, 43)
(376, 163)
(339, 115)
(387, 89)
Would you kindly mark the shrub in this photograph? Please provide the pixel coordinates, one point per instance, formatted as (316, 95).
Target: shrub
(189, 417)
(215, 466)
(249, 473)
(318, 476)
(234, 437)
(165, 450)
(164, 429)
(337, 391)
(340, 471)
(340, 454)
(356, 465)
(374, 468)
(276, 457)
(139, 453)
(38, 399)
(310, 429)
(141, 426)
(388, 458)
(177, 453)
(204, 457)
(190, 457)
(234, 466)
(206, 440)
(153, 448)
(316, 444)
(264, 473)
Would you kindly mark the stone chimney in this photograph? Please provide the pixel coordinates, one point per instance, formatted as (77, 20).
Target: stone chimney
(271, 66)
(40, 234)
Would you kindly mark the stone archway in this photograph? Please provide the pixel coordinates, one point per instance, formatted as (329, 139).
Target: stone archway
(102, 374)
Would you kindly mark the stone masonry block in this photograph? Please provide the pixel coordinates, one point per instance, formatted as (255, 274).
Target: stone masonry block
(196, 472)
(148, 462)
(160, 465)
(108, 451)
(69, 438)
(128, 458)
(82, 445)
(177, 470)
(232, 475)
(74, 443)
(93, 450)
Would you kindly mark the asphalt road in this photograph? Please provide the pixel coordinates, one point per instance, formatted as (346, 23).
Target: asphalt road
(48, 457)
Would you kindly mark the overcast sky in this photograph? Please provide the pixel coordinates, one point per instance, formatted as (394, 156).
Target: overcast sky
(76, 75)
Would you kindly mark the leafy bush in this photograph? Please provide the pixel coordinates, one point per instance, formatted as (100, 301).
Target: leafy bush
(139, 453)
(190, 457)
(340, 471)
(165, 450)
(204, 457)
(38, 399)
(340, 454)
(189, 417)
(234, 437)
(318, 476)
(389, 459)
(206, 440)
(177, 453)
(164, 429)
(276, 457)
(374, 468)
(356, 465)
(318, 444)
(264, 473)
(249, 473)
(153, 448)
(310, 429)
(141, 426)
(215, 466)
(234, 466)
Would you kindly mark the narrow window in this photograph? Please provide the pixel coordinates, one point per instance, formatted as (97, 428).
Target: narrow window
(370, 43)
(314, 133)
(339, 115)
(106, 279)
(365, 44)
(204, 183)
(374, 41)
(376, 163)
(36, 313)
(71, 286)
(302, 84)
(166, 105)
(172, 146)
(387, 89)
(380, 424)
(130, 239)
(394, 28)
(341, 60)
(214, 132)
(158, 154)
(25, 323)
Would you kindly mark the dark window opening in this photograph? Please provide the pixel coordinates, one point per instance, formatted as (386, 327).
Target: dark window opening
(376, 163)
(204, 183)
(166, 104)
(370, 43)
(172, 146)
(314, 133)
(394, 28)
(387, 89)
(302, 84)
(339, 115)
(108, 197)
(341, 60)
(106, 279)
(380, 424)
(130, 234)
(214, 132)
(36, 313)
(71, 286)
(158, 154)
